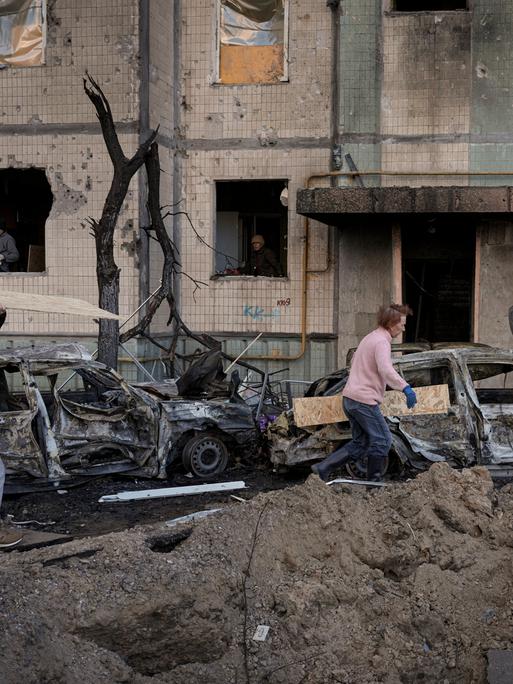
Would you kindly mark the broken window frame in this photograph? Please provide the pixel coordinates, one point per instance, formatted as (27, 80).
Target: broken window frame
(237, 258)
(11, 60)
(26, 226)
(217, 35)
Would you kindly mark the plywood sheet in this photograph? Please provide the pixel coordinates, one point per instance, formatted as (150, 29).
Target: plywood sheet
(324, 410)
(23, 301)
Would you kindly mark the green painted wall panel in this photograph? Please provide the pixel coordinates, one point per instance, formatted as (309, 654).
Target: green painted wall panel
(492, 69)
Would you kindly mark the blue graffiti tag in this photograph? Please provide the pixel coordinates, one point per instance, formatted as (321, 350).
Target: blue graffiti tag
(258, 313)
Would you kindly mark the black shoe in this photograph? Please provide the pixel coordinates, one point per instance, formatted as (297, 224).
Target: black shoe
(318, 470)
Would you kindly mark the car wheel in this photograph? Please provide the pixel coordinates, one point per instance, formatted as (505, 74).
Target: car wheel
(205, 456)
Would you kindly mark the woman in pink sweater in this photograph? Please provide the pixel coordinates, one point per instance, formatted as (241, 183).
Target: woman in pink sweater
(371, 372)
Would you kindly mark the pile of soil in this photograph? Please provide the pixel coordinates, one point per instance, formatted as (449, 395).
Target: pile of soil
(409, 583)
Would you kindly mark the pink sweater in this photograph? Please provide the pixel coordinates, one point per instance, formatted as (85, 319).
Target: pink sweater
(372, 370)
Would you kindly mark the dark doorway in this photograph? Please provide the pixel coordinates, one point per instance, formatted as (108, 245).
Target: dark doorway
(25, 202)
(438, 275)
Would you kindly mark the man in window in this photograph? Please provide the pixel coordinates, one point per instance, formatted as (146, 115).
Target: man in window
(8, 251)
(263, 261)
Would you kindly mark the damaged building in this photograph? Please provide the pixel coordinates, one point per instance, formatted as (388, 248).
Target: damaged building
(369, 144)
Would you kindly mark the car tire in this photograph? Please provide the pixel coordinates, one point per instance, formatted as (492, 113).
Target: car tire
(205, 456)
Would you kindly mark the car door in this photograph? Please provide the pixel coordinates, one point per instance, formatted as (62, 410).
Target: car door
(19, 448)
(439, 437)
(102, 420)
(491, 381)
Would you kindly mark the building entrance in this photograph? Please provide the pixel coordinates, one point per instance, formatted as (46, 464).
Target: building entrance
(438, 257)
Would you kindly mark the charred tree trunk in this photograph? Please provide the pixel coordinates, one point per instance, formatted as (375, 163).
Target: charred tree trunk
(107, 271)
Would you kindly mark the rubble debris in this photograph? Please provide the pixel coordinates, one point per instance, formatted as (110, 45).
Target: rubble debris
(172, 491)
(349, 594)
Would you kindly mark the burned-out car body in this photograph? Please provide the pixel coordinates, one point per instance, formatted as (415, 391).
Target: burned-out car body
(477, 429)
(63, 414)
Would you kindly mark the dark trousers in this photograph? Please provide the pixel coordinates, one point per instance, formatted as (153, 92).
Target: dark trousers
(370, 437)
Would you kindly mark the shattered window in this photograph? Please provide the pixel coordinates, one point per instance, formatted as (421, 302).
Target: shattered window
(22, 32)
(251, 228)
(491, 380)
(420, 376)
(252, 41)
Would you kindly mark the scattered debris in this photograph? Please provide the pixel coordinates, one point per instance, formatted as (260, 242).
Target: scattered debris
(261, 633)
(172, 491)
(366, 483)
(192, 517)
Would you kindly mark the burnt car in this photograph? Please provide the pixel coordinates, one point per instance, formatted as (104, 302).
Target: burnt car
(477, 429)
(63, 414)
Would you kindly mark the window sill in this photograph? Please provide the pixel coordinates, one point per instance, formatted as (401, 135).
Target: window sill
(218, 276)
(402, 13)
(23, 274)
(220, 84)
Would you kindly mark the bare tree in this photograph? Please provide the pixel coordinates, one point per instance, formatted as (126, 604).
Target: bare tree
(103, 230)
(107, 271)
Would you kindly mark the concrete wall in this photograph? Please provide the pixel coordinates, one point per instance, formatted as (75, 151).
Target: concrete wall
(47, 121)
(365, 261)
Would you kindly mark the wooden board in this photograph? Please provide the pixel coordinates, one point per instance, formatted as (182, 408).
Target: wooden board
(324, 410)
(23, 301)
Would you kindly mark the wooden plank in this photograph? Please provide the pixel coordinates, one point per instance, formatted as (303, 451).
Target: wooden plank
(24, 301)
(325, 410)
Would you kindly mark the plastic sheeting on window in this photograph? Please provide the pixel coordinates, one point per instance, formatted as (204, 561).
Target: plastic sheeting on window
(250, 22)
(21, 32)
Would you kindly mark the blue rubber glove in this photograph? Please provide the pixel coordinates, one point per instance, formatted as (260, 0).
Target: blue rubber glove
(411, 397)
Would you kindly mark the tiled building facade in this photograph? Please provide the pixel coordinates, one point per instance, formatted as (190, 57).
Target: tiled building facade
(399, 91)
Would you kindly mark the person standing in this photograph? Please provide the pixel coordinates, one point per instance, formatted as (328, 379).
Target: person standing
(371, 372)
(263, 261)
(9, 537)
(8, 250)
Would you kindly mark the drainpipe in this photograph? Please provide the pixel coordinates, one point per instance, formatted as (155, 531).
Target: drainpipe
(176, 123)
(144, 127)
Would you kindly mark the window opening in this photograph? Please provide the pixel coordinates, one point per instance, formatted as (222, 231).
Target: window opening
(431, 375)
(245, 212)
(438, 273)
(252, 41)
(22, 221)
(493, 382)
(22, 33)
(13, 395)
(429, 5)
